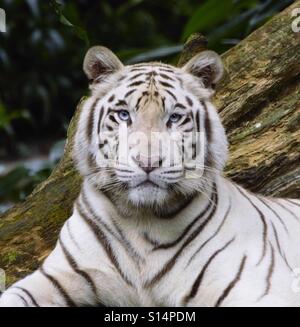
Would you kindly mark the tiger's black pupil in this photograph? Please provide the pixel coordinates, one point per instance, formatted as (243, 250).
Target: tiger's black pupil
(175, 118)
(123, 115)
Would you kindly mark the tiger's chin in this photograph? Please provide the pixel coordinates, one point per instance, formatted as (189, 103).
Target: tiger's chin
(148, 194)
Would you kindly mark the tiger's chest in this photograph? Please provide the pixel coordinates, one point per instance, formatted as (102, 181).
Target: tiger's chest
(239, 255)
(163, 277)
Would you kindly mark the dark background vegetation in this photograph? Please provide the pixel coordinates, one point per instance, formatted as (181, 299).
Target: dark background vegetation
(41, 54)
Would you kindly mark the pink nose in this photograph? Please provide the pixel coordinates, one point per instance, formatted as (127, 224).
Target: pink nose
(146, 163)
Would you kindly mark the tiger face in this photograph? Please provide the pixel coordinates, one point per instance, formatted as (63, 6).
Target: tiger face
(148, 135)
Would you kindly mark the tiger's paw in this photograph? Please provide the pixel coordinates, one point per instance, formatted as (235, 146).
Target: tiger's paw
(8, 299)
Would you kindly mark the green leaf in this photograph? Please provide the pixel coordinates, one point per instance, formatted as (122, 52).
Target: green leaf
(79, 31)
(211, 13)
(12, 180)
(6, 117)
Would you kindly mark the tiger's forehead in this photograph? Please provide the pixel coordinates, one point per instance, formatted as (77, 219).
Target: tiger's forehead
(142, 84)
(153, 72)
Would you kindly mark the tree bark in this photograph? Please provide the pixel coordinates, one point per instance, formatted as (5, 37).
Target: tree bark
(259, 103)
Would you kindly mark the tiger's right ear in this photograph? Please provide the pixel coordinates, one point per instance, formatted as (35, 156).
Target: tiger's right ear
(99, 62)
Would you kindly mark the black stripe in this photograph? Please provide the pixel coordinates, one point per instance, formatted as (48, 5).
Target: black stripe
(189, 101)
(167, 77)
(270, 273)
(275, 213)
(103, 241)
(92, 163)
(142, 64)
(113, 119)
(135, 76)
(111, 99)
(153, 72)
(150, 240)
(111, 110)
(265, 226)
(276, 238)
(128, 93)
(207, 123)
(138, 102)
(285, 208)
(189, 226)
(279, 247)
(195, 287)
(28, 294)
(122, 239)
(22, 298)
(179, 105)
(59, 288)
(165, 84)
(101, 145)
(232, 284)
(171, 94)
(72, 262)
(71, 234)
(292, 202)
(171, 171)
(168, 70)
(180, 81)
(170, 214)
(136, 83)
(90, 123)
(142, 69)
(169, 265)
(163, 102)
(213, 236)
(185, 121)
(99, 119)
(197, 118)
(121, 103)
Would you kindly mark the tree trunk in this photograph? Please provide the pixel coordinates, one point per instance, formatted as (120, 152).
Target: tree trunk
(259, 102)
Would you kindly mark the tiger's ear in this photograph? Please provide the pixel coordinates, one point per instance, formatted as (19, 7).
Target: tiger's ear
(99, 62)
(207, 66)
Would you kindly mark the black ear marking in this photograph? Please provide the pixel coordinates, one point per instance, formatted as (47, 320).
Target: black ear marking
(207, 66)
(99, 62)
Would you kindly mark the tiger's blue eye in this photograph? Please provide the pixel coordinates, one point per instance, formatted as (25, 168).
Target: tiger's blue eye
(124, 115)
(174, 118)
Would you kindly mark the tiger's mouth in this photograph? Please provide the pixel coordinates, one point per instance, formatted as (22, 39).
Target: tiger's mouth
(148, 183)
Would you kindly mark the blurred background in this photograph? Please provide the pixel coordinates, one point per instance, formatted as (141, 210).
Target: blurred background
(41, 54)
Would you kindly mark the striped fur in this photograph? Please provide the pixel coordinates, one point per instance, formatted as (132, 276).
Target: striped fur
(177, 241)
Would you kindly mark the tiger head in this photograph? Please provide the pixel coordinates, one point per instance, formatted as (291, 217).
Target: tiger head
(148, 136)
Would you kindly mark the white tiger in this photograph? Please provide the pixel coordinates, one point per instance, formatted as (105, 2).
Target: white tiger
(146, 233)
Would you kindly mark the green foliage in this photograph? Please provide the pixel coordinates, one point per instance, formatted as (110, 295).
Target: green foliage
(79, 31)
(19, 181)
(6, 117)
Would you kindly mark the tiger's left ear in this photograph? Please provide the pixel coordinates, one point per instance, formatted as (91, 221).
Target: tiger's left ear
(99, 62)
(207, 66)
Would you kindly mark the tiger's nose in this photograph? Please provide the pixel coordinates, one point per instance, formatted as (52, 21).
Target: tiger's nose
(146, 163)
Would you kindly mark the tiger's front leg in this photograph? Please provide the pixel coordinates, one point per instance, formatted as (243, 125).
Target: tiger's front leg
(59, 282)
(44, 288)
(32, 291)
